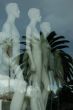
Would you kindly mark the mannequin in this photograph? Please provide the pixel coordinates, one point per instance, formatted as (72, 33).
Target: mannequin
(32, 32)
(12, 37)
(10, 47)
(10, 30)
(33, 48)
(50, 60)
(45, 29)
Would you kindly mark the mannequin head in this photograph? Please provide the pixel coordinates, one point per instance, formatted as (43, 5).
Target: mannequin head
(12, 9)
(45, 27)
(34, 15)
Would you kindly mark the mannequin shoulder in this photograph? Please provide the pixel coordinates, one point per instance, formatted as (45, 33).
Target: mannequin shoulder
(6, 27)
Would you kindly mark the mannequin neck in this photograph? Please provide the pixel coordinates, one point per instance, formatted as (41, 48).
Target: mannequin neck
(33, 23)
(11, 19)
(45, 34)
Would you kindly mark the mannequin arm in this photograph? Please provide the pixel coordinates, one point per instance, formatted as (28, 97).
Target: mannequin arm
(28, 47)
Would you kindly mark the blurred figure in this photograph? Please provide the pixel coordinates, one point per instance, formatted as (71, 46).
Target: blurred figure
(45, 28)
(33, 48)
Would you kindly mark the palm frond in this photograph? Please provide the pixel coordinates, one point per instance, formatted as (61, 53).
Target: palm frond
(58, 65)
(59, 43)
(59, 47)
(56, 42)
(67, 63)
(56, 39)
(51, 36)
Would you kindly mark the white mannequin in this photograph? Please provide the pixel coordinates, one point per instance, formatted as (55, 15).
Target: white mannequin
(34, 15)
(10, 29)
(32, 27)
(45, 28)
(34, 51)
(11, 33)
